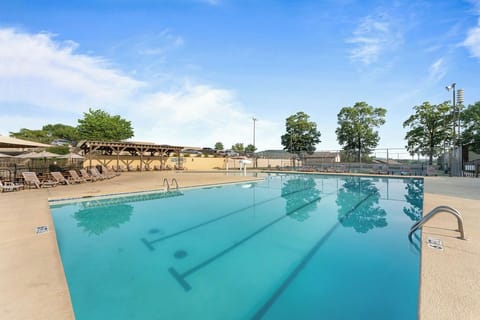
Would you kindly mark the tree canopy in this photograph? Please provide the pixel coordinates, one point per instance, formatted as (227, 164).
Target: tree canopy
(302, 134)
(218, 146)
(48, 133)
(61, 131)
(356, 128)
(471, 125)
(250, 148)
(429, 129)
(99, 125)
(238, 147)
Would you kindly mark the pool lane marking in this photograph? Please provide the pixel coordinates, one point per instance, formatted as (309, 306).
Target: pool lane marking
(266, 306)
(180, 277)
(149, 244)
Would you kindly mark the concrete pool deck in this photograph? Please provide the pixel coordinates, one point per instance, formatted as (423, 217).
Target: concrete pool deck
(33, 285)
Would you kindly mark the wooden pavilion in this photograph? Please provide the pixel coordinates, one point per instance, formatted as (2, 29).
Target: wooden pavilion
(118, 154)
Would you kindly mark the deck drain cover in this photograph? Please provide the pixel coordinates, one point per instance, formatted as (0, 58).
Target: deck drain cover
(41, 229)
(435, 243)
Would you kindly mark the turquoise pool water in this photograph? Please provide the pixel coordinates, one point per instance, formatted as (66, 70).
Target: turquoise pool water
(288, 247)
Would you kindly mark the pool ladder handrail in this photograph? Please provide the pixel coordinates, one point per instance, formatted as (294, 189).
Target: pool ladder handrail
(176, 183)
(436, 210)
(165, 182)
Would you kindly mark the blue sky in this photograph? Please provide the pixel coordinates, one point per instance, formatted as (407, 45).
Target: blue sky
(194, 72)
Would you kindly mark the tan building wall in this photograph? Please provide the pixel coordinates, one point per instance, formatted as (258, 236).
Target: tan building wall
(189, 163)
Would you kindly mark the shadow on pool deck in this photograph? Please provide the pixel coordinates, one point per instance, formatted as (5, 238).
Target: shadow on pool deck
(33, 285)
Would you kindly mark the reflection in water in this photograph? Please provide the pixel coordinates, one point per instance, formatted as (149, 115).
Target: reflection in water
(414, 197)
(96, 220)
(300, 193)
(363, 193)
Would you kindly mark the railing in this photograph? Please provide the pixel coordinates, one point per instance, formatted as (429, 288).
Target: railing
(436, 210)
(174, 181)
(165, 182)
(471, 168)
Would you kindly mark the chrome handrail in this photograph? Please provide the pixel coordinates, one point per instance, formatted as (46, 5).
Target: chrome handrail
(165, 181)
(436, 210)
(176, 183)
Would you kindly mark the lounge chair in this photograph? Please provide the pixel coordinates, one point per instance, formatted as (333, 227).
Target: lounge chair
(31, 179)
(96, 174)
(10, 186)
(87, 176)
(58, 176)
(108, 173)
(74, 177)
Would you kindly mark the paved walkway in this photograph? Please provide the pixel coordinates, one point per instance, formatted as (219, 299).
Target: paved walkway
(33, 285)
(450, 279)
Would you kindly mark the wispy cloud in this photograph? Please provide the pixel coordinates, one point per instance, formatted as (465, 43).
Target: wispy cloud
(472, 42)
(46, 81)
(374, 36)
(158, 44)
(438, 70)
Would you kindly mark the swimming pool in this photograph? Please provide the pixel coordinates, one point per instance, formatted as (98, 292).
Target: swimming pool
(290, 246)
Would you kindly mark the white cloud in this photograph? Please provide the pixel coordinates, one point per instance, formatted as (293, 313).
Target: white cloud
(472, 42)
(40, 74)
(36, 70)
(374, 36)
(438, 69)
(164, 41)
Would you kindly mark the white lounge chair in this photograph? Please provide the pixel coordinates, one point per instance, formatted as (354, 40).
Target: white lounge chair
(31, 179)
(74, 177)
(59, 178)
(87, 176)
(10, 186)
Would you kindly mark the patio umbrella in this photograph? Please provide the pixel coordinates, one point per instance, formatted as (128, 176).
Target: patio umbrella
(71, 156)
(38, 155)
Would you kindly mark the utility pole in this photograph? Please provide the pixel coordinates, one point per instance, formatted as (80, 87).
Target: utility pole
(254, 149)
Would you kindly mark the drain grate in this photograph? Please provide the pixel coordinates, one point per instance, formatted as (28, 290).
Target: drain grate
(41, 229)
(436, 244)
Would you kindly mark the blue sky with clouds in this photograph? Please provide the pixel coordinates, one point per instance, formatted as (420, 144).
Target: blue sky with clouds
(193, 72)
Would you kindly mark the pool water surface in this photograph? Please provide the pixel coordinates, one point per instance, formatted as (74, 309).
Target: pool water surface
(290, 246)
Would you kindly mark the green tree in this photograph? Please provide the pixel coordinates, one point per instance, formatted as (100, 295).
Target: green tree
(302, 134)
(59, 149)
(428, 129)
(48, 133)
(61, 131)
(356, 128)
(471, 124)
(99, 125)
(250, 148)
(218, 146)
(31, 135)
(238, 147)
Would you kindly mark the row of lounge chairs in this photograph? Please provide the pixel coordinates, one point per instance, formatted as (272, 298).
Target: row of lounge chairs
(31, 179)
(146, 167)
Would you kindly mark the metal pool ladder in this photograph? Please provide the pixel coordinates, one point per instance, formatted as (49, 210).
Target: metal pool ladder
(165, 182)
(176, 183)
(436, 210)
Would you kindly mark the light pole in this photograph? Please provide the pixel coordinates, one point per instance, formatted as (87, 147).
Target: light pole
(452, 87)
(254, 158)
(460, 100)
